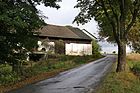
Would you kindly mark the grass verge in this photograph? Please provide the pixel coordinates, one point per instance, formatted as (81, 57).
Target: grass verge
(40, 70)
(122, 82)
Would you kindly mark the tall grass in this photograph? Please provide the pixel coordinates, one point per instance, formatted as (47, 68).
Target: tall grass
(123, 82)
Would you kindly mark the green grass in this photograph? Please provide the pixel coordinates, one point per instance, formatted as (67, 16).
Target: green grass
(123, 82)
(56, 62)
(135, 67)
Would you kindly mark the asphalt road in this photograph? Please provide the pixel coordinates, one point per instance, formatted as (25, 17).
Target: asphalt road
(83, 79)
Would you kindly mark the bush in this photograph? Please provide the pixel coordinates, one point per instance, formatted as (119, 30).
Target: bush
(114, 52)
(35, 57)
(136, 68)
(79, 60)
(96, 48)
(53, 56)
(60, 49)
(7, 76)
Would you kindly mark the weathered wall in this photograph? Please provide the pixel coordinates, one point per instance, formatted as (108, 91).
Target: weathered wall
(78, 49)
(70, 48)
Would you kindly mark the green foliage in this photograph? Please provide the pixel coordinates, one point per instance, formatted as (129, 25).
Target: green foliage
(19, 19)
(59, 47)
(96, 48)
(136, 68)
(114, 52)
(56, 62)
(115, 20)
(134, 38)
(7, 76)
(109, 14)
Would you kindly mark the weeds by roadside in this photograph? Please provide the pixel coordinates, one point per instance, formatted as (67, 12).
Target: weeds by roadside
(36, 71)
(123, 82)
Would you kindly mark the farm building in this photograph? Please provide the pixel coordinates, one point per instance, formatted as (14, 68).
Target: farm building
(66, 40)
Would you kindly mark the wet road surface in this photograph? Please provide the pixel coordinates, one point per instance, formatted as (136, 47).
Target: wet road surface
(83, 79)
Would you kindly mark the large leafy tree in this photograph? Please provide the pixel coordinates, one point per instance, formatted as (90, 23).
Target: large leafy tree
(115, 19)
(19, 19)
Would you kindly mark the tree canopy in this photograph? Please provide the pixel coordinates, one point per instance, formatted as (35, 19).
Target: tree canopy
(115, 19)
(19, 19)
(134, 38)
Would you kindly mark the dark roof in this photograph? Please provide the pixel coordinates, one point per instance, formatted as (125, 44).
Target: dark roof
(63, 32)
(78, 32)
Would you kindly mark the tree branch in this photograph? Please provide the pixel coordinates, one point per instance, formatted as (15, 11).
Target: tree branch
(32, 4)
(111, 21)
(98, 3)
(116, 16)
(134, 16)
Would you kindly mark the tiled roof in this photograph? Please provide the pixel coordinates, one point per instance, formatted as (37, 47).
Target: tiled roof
(63, 32)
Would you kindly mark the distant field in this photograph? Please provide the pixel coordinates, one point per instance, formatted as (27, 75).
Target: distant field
(133, 57)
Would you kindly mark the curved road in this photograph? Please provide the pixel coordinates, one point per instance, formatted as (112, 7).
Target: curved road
(83, 79)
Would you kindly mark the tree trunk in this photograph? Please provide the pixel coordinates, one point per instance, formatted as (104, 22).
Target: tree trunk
(121, 57)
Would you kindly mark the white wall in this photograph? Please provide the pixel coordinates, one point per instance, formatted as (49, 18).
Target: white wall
(78, 49)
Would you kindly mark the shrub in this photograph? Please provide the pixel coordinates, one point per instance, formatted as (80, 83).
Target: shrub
(114, 52)
(7, 76)
(35, 57)
(60, 49)
(136, 68)
(96, 48)
(63, 58)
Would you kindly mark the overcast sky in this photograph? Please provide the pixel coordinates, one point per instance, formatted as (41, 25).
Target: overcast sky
(65, 16)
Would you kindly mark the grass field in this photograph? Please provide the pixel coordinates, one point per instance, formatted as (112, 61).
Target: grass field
(123, 82)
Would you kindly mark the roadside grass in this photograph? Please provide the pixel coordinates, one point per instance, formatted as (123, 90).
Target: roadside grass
(134, 63)
(36, 71)
(123, 82)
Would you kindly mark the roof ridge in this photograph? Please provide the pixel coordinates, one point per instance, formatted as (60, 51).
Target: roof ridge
(55, 25)
(64, 27)
(63, 31)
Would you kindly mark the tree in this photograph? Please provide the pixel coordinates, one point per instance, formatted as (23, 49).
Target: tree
(60, 47)
(114, 52)
(19, 19)
(134, 38)
(115, 19)
(96, 48)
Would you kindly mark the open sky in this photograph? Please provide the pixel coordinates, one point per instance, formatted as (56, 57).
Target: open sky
(65, 16)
